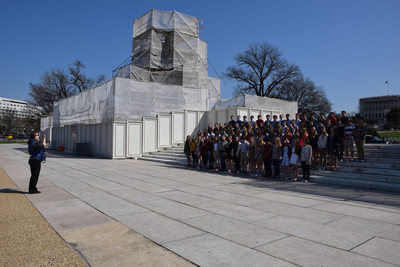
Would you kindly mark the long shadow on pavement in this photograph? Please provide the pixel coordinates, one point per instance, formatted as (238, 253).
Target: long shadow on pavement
(326, 190)
(55, 153)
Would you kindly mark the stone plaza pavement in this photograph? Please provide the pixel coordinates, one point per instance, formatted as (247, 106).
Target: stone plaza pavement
(207, 218)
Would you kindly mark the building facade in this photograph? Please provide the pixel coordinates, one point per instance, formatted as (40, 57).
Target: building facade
(21, 108)
(18, 117)
(374, 109)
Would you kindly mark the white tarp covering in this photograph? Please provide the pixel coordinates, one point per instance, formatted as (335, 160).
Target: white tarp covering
(135, 99)
(142, 75)
(214, 89)
(258, 102)
(46, 123)
(166, 21)
(121, 99)
(92, 106)
(168, 41)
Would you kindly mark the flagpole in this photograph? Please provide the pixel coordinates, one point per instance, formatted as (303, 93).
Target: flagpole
(387, 88)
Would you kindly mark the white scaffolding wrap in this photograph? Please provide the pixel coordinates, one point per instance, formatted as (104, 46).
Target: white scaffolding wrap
(136, 99)
(257, 102)
(167, 43)
(166, 21)
(92, 106)
(122, 99)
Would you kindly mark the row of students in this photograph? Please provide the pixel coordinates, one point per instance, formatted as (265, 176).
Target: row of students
(256, 146)
(255, 157)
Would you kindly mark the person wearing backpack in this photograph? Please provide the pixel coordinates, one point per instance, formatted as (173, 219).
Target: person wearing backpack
(37, 152)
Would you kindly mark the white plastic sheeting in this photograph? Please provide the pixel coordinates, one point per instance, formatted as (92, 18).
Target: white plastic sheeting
(134, 100)
(142, 75)
(214, 90)
(92, 106)
(235, 101)
(257, 102)
(46, 122)
(167, 21)
(167, 44)
(122, 99)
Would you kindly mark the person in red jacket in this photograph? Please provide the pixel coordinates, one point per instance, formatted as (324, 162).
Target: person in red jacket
(333, 119)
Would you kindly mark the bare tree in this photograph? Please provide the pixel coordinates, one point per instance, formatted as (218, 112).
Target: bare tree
(309, 97)
(78, 77)
(393, 119)
(8, 119)
(54, 85)
(57, 84)
(100, 79)
(260, 69)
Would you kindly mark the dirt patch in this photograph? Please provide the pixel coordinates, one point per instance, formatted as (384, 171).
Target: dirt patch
(26, 239)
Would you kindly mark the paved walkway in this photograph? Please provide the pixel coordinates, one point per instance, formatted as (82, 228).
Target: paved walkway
(208, 219)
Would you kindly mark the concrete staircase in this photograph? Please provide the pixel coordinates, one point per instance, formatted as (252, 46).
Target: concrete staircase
(381, 170)
(171, 155)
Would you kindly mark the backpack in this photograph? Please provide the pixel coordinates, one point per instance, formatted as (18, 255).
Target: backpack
(36, 154)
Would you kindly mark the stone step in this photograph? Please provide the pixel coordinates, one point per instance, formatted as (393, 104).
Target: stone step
(180, 149)
(367, 184)
(382, 146)
(378, 150)
(171, 157)
(381, 155)
(369, 164)
(167, 161)
(378, 159)
(369, 170)
(358, 176)
(168, 152)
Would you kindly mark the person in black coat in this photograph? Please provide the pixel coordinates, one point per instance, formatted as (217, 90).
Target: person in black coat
(37, 152)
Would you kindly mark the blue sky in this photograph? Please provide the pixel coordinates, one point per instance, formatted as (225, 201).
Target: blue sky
(350, 48)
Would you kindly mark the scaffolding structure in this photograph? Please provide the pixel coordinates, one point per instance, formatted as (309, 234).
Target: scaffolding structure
(166, 44)
(168, 72)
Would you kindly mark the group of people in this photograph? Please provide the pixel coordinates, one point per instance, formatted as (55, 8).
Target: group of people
(256, 146)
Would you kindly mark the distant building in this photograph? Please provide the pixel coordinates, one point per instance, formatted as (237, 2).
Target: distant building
(21, 108)
(374, 109)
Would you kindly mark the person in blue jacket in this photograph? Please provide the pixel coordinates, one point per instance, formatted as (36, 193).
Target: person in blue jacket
(37, 152)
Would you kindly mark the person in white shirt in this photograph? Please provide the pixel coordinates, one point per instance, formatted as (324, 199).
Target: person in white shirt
(244, 151)
(322, 148)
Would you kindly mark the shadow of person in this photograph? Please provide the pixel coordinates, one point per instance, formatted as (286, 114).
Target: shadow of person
(12, 191)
